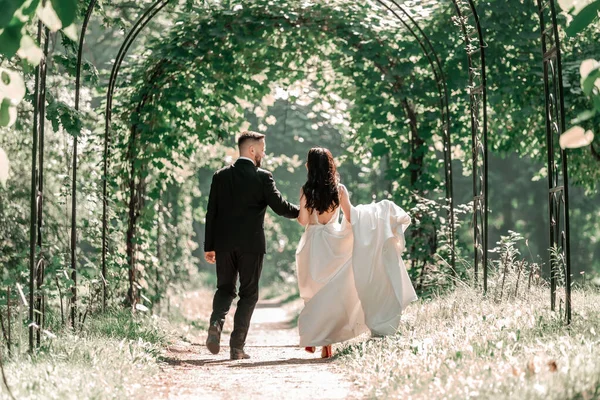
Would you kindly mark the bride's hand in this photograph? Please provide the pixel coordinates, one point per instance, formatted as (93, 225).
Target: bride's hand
(345, 202)
(343, 191)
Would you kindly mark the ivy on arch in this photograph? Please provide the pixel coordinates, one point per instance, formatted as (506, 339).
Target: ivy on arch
(195, 84)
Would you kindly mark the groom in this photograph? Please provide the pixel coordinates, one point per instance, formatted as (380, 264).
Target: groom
(235, 238)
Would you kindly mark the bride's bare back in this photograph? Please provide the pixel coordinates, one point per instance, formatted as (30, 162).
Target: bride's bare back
(306, 217)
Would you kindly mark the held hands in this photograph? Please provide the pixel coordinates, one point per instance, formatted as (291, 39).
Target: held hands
(210, 257)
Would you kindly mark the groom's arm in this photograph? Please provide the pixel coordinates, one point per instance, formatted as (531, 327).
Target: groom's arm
(211, 216)
(276, 201)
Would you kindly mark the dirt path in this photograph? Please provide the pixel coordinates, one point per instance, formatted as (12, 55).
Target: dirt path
(278, 368)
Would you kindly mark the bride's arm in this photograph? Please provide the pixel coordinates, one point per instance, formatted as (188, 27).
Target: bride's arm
(303, 216)
(345, 202)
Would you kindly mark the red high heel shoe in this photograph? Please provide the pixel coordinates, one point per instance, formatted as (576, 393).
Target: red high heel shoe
(310, 349)
(326, 352)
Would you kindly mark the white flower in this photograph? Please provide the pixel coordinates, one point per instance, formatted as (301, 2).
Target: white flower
(541, 389)
(259, 112)
(268, 100)
(260, 78)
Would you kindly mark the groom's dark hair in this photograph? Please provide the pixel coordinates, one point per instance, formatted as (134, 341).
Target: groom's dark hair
(249, 136)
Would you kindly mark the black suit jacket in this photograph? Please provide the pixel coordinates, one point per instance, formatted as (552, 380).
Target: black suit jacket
(239, 196)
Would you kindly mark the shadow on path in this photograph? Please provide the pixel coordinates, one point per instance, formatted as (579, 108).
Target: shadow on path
(248, 346)
(243, 364)
(275, 363)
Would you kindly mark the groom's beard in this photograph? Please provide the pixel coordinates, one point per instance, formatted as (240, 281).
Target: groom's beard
(257, 160)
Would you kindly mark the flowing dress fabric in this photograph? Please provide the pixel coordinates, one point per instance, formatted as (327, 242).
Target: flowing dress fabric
(352, 277)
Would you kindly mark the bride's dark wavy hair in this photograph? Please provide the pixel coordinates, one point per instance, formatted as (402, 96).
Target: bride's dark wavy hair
(321, 187)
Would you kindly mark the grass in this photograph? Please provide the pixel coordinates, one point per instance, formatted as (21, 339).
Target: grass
(462, 345)
(110, 359)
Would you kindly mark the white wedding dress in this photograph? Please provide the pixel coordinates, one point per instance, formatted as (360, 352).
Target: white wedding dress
(351, 276)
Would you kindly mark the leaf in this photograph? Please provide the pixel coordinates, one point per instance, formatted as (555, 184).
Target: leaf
(584, 116)
(66, 10)
(378, 133)
(4, 112)
(4, 167)
(61, 114)
(30, 51)
(71, 32)
(10, 39)
(49, 17)
(30, 9)
(596, 101)
(379, 149)
(12, 86)
(585, 17)
(590, 81)
(8, 10)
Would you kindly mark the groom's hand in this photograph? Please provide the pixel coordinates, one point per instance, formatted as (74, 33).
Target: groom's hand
(210, 257)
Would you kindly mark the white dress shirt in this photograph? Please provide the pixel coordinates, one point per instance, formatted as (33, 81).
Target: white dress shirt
(246, 158)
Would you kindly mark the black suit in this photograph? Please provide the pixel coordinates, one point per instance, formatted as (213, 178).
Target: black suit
(238, 200)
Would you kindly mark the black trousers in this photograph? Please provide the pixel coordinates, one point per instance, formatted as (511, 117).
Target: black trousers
(229, 265)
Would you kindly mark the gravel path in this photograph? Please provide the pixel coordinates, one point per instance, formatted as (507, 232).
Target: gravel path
(278, 369)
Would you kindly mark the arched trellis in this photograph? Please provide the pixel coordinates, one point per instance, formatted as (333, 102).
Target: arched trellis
(146, 17)
(415, 31)
(129, 39)
(558, 193)
(477, 87)
(440, 81)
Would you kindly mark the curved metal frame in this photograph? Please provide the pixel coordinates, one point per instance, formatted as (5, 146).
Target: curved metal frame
(555, 122)
(440, 80)
(129, 39)
(86, 20)
(558, 194)
(40, 265)
(478, 110)
(427, 48)
(34, 195)
(36, 267)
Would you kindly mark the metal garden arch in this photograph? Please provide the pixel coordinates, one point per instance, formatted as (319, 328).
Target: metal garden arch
(468, 19)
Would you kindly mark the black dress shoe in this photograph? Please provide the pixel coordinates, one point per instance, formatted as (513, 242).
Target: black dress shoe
(238, 354)
(213, 341)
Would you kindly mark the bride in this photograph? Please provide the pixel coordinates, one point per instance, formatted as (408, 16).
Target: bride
(351, 275)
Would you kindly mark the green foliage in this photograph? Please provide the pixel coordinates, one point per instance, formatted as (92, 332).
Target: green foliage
(16, 21)
(340, 74)
(184, 95)
(66, 10)
(114, 351)
(582, 17)
(460, 345)
(119, 324)
(10, 38)
(4, 112)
